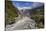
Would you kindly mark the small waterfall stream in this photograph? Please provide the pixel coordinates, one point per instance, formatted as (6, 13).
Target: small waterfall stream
(23, 22)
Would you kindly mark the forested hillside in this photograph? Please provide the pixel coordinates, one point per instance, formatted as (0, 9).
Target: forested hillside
(38, 16)
(10, 12)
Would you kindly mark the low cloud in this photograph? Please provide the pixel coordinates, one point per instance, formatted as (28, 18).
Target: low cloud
(20, 8)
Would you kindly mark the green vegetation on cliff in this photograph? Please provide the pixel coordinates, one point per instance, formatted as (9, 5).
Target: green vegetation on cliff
(10, 12)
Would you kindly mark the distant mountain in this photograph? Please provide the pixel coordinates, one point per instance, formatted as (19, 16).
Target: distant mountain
(29, 11)
(40, 7)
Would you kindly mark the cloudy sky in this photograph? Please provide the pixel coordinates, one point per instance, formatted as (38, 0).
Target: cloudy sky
(23, 4)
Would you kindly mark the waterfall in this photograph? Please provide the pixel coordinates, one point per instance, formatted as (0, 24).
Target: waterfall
(22, 22)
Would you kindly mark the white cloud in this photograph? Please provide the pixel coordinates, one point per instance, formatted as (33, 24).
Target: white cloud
(20, 8)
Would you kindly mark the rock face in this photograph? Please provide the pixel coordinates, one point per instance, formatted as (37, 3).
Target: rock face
(26, 12)
(24, 23)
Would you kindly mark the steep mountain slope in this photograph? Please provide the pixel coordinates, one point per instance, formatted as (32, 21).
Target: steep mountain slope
(10, 12)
